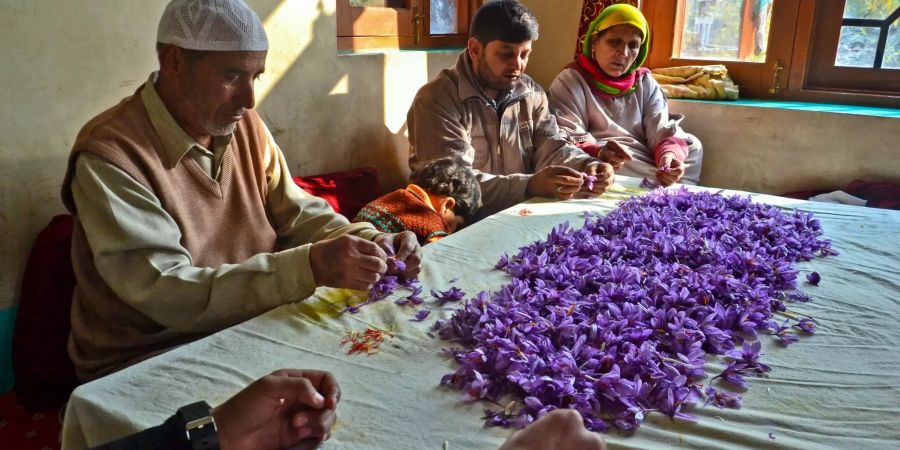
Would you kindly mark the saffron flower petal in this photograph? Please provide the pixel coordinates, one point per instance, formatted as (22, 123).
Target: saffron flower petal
(589, 181)
(813, 278)
(421, 315)
(807, 325)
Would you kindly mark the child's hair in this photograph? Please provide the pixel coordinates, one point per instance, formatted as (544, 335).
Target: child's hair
(451, 177)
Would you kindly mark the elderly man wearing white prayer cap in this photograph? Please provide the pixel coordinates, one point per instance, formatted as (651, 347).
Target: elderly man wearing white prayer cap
(187, 219)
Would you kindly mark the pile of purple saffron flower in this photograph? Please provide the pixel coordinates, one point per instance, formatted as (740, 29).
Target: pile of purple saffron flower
(615, 319)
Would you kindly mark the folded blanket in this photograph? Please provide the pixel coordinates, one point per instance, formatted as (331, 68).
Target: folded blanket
(840, 197)
(699, 82)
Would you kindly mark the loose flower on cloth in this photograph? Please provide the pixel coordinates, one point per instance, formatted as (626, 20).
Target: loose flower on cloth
(807, 325)
(454, 294)
(647, 184)
(615, 319)
(814, 278)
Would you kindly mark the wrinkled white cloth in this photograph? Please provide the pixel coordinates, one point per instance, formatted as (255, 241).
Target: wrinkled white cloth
(840, 197)
(837, 389)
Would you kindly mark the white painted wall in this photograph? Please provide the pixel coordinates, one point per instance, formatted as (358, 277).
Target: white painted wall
(555, 48)
(778, 150)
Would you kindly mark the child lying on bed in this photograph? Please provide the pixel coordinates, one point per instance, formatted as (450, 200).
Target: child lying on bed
(442, 197)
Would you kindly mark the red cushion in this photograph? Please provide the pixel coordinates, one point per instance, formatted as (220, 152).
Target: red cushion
(22, 429)
(882, 194)
(44, 374)
(590, 9)
(346, 192)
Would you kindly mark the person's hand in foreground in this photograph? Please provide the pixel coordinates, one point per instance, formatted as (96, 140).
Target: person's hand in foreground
(560, 429)
(347, 262)
(404, 247)
(670, 169)
(554, 182)
(288, 408)
(605, 176)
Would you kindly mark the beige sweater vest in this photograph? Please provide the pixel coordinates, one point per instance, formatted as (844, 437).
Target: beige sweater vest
(221, 222)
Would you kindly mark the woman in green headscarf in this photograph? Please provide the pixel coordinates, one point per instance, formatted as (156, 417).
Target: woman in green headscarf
(613, 108)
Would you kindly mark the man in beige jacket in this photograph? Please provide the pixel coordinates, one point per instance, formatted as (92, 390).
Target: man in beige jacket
(187, 219)
(496, 118)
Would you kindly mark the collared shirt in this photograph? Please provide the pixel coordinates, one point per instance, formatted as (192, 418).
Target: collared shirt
(176, 141)
(136, 246)
(504, 141)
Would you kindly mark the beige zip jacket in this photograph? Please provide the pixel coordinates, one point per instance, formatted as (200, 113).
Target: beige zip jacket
(505, 141)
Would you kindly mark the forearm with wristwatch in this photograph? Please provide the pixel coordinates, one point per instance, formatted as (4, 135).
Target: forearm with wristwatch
(191, 428)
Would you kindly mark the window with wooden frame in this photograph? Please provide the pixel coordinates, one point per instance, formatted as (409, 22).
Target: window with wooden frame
(808, 50)
(856, 47)
(403, 24)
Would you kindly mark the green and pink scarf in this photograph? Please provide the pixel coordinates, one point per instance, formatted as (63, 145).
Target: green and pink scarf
(602, 84)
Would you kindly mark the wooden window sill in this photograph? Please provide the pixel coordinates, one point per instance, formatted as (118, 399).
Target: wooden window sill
(804, 106)
(393, 51)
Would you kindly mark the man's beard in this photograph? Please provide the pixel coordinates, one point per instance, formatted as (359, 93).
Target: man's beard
(224, 130)
(488, 80)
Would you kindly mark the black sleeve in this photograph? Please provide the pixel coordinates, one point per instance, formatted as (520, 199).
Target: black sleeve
(162, 437)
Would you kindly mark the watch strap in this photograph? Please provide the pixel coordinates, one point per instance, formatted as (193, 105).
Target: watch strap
(198, 426)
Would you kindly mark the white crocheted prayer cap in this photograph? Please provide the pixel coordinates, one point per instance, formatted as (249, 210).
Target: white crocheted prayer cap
(217, 25)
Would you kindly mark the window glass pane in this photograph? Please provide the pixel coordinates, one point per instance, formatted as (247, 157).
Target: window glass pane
(870, 9)
(716, 29)
(856, 47)
(892, 49)
(443, 17)
(378, 3)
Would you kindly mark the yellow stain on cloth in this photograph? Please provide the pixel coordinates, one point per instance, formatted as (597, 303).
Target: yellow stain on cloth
(329, 303)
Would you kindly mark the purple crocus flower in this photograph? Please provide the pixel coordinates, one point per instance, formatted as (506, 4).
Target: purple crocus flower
(787, 338)
(395, 266)
(454, 294)
(722, 399)
(421, 315)
(783, 334)
(589, 181)
(797, 296)
(807, 325)
(385, 286)
(813, 278)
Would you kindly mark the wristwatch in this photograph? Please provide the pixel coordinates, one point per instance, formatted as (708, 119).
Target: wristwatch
(197, 425)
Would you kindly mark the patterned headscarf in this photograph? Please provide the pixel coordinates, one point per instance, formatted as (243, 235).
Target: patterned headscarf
(620, 14)
(601, 84)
